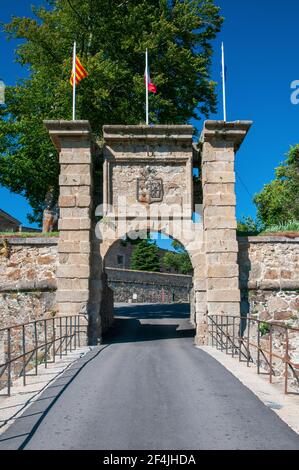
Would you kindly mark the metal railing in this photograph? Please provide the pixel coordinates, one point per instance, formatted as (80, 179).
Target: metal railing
(266, 344)
(26, 346)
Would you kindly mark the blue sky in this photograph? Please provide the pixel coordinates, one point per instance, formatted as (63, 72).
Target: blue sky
(262, 61)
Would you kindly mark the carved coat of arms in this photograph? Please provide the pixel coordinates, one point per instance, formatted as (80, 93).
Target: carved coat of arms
(149, 188)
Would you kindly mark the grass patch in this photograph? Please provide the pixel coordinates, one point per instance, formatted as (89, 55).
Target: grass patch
(289, 229)
(28, 234)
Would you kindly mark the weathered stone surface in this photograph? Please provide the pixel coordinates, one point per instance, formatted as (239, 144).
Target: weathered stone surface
(74, 212)
(224, 308)
(220, 270)
(72, 295)
(221, 258)
(223, 283)
(220, 222)
(69, 271)
(67, 201)
(74, 224)
(276, 303)
(221, 212)
(210, 176)
(284, 315)
(74, 157)
(76, 259)
(74, 247)
(230, 295)
(76, 169)
(74, 180)
(220, 199)
(70, 235)
(224, 189)
(221, 246)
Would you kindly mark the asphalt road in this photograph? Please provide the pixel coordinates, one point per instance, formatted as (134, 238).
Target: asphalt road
(148, 387)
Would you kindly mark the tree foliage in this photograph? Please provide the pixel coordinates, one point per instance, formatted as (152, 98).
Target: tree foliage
(278, 202)
(145, 256)
(111, 39)
(178, 260)
(249, 226)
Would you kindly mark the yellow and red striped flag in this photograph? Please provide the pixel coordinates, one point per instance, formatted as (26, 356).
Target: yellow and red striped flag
(80, 72)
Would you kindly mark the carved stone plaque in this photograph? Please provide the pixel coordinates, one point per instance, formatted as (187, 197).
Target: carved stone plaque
(149, 190)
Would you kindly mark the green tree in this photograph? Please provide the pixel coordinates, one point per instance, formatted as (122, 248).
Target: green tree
(145, 256)
(111, 39)
(278, 202)
(249, 226)
(178, 260)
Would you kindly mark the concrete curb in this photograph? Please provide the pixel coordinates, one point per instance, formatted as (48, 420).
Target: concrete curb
(271, 395)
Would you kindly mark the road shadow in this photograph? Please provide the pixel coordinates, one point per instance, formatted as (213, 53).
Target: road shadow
(130, 324)
(19, 434)
(153, 311)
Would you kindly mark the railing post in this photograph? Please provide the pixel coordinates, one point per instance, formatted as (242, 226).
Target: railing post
(258, 347)
(286, 362)
(221, 319)
(248, 332)
(46, 346)
(233, 345)
(226, 344)
(60, 337)
(79, 331)
(66, 334)
(240, 341)
(24, 354)
(9, 361)
(75, 332)
(54, 338)
(271, 357)
(36, 347)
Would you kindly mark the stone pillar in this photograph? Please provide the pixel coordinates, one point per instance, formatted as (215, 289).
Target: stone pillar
(79, 286)
(220, 142)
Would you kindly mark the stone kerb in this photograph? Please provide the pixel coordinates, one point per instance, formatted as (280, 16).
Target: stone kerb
(220, 142)
(73, 140)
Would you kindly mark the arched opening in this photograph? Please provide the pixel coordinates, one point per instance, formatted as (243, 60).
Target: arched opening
(151, 281)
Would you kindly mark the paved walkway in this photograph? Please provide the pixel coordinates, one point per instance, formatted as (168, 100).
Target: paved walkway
(148, 387)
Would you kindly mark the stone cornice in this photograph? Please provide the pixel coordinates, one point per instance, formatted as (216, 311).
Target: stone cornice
(165, 133)
(233, 132)
(71, 129)
(267, 239)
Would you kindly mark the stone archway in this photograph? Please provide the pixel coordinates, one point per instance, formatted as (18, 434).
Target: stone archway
(148, 184)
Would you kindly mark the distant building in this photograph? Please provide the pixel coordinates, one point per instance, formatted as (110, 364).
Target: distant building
(8, 223)
(120, 255)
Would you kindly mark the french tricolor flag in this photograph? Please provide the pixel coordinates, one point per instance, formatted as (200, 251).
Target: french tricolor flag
(149, 86)
(147, 78)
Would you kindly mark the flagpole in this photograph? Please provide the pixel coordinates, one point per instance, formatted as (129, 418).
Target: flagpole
(146, 85)
(74, 82)
(223, 83)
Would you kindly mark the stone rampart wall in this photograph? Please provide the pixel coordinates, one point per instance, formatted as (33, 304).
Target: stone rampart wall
(269, 280)
(28, 280)
(140, 286)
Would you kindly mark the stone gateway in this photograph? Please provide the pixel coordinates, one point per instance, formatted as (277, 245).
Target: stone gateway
(147, 186)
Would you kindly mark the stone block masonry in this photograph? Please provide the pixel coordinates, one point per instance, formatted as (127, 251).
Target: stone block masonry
(79, 260)
(220, 142)
(28, 280)
(141, 286)
(269, 278)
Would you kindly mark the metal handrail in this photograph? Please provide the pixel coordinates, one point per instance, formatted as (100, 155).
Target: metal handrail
(63, 333)
(229, 334)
